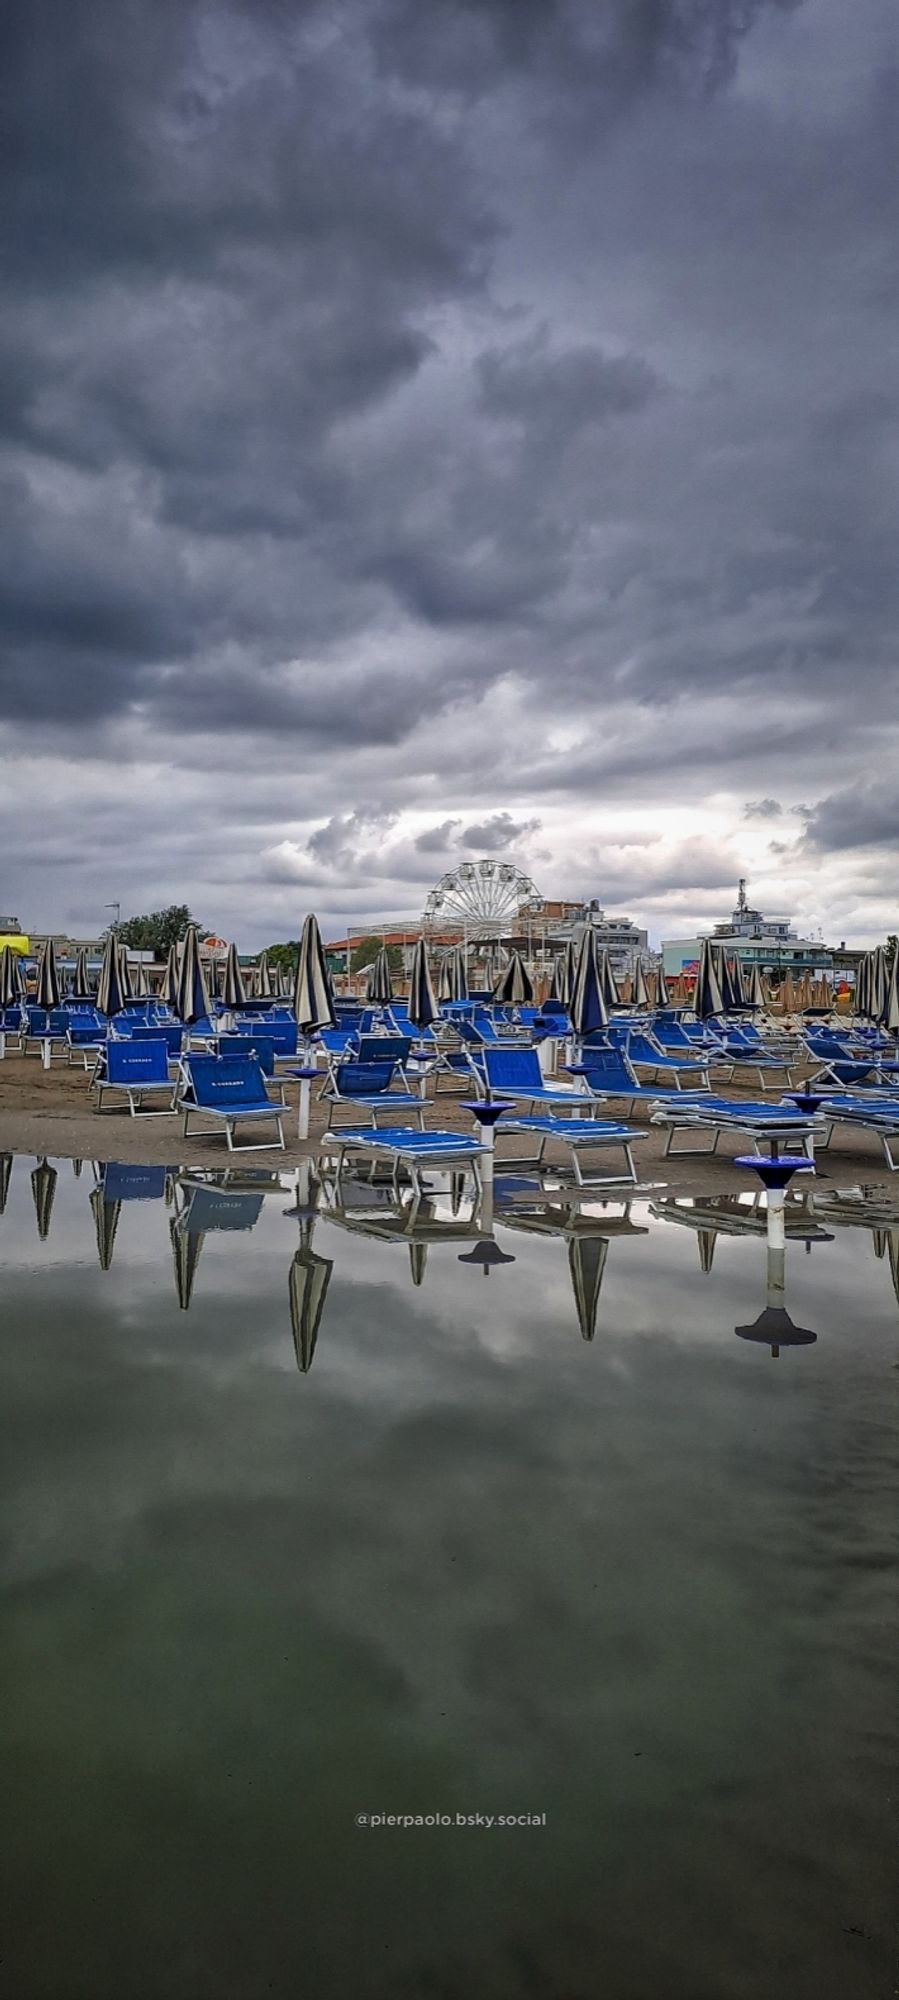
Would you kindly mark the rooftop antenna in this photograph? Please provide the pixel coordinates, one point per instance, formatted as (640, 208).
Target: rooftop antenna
(742, 904)
(118, 913)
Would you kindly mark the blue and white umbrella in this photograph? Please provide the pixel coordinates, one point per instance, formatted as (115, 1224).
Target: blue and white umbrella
(81, 985)
(454, 975)
(587, 1008)
(47, 992)
(756, 996)
(111, 995)
(640, 994)
(313, 998)
(563, 975)
(10, 977)
(378, 981)
(607, 979)
(515, 988)
(663, 997)
(707, 996)
(263, 977)
(125, 974)
(170, 978)
(233, 989)
(731, 994)
(889, 1017)
(192, 1003)
(422, 1008)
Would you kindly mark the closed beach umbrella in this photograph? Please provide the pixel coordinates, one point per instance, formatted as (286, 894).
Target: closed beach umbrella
(5, 1177)
(170, 978)
(422, 1008)
(587, 1007)
(124, 973)
(756, 997)
(707, 996)
(110, 994)
(378, 983)
(140, 984)
(192, 1003)
(313, 999)
(43, 1189)
(10, 978)
(233, 989)
(890, 1015)
(563, 975)
(706, 1241)
(663, 997)
(878, 983)
(454, 975)
(81, 985)
(515, 988)
(607, 979)
(47, 990)
(640, 994)
(263, 977)
(310, 1276)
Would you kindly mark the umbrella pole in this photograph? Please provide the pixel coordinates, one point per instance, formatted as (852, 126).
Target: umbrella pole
(303, 1108)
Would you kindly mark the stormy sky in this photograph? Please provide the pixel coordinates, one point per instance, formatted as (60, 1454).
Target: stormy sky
(440, 429)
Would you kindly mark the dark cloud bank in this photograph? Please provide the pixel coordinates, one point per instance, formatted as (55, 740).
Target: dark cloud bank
(484, 410)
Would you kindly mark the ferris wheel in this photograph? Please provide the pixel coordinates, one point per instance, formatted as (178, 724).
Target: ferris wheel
(481, 899)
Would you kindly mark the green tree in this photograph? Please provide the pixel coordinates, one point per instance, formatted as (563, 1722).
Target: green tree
(156, 931)
(366, 951)
(284, 956)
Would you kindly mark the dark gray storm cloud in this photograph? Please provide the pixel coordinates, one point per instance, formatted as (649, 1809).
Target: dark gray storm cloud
(487, 410)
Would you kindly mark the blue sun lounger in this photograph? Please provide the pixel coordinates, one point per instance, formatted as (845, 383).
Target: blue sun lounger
(579, 1135)
(877, 1114)
(608, 1074)
(231, 1089)
(516, 1073)
(367, 1086)
(136, 1070)
(772, 1124)
(415, 1150)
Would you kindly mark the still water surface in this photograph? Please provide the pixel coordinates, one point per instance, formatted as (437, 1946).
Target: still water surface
(463, 1559)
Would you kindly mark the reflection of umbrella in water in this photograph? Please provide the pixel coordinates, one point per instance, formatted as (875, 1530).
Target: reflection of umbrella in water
(106, 1222)
(587, 1262)
(706, 1240)
(186, 1248)
(310, 1276)
(5, 1176)
(418, 1257)
(43, 1188)
(76, 1168)
(893, 1253)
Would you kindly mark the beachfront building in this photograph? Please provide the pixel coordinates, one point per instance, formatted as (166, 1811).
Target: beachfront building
(768, 942)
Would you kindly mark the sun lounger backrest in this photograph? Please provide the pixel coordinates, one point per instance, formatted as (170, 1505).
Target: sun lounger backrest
(220, 1082)
(384, 1048)
(608, 1070)
(513, 1069)
(172, 1034)
(260, 1046)
(363, 1079)
(137, 1062)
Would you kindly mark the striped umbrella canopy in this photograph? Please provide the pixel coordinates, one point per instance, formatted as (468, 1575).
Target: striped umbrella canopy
(454, 975)
(170, 978)
(587, 1007)
(47, 993)
(43, 1189)
(515, 988)
(10, 978)
(608, 982)
(640, 994)
(192, 1003)
(788, 993)
(378, 982)
(263, 977)
(663, 997)
(889, 1017)
(878, 982)
(756, 996)
(81, 985)
(125, 973)
(707, 995)
(140, 984)
(563, 975)
(233, 990)
(111, 995)
(422, 1007)
(313, 998)
(731, 996)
